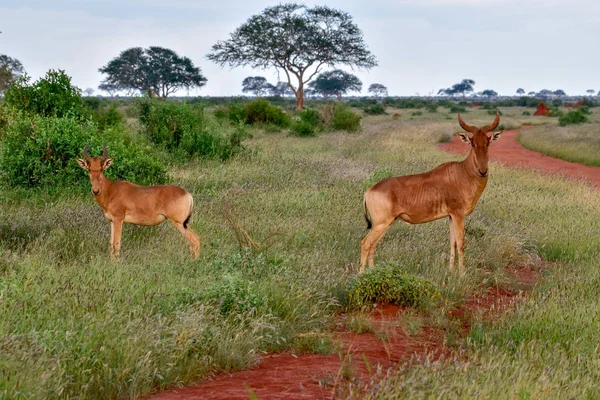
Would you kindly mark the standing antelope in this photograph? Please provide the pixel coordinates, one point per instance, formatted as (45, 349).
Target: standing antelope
(452, 189)
(140, 205)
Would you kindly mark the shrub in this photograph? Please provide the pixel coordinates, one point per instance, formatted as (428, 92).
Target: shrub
(109, 117)
(235, 294)
(262, 111)
(50, 96)
(309, 122)
(344, 119)
(388, 284)
(376, 109)
(572, 117)
(432, 107)
(494, 111)
(526, 113)
(417, 113)
(457, 109)
(40, 151)
(184, 129)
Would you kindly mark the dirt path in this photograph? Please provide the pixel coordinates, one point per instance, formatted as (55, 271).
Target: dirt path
(287, 376)
(508, 151)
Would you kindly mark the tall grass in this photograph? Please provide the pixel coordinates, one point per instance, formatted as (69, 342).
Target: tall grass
(73, 323)
(580, 143)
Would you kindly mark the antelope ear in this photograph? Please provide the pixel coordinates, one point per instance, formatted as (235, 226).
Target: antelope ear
(83, 164)
(465, 137)
(106, 163)
(496, 135)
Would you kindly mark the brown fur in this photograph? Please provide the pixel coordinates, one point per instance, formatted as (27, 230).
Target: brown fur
(140, 205)
(450, 190)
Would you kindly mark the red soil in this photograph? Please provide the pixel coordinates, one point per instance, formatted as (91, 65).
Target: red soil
(508, 151)
(287, 376)
(542, 110)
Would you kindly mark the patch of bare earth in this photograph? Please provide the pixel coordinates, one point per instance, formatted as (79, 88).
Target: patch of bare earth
(363, 356)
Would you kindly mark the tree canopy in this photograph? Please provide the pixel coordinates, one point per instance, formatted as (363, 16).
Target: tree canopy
(463, 87)
(155, 70)
(336, 82)
(296, 40)
(257, 85)
(378, 90)
(520, 91)
(489, 93)
(10, 69)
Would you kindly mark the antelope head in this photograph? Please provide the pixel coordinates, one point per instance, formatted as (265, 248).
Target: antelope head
(95, 167)
(480, 140)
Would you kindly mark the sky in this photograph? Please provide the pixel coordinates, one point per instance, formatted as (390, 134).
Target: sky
(420, 45)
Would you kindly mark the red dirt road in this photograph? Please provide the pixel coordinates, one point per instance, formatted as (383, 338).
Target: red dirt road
(508, 151)
(287, 376)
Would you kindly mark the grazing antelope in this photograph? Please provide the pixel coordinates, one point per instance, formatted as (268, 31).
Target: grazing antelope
(450, 190)
(140, 205)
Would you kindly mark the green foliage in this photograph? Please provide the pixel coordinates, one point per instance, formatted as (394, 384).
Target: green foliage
(344, 119)
(417, 113)
(336, 83)
(376, 109)
(526, 113)
(494, 111)
(109, 117)
(184, 129)
(431, 107)
(457, 109)
(261, 111)
(310, 121)
(39, 151)
(155, 70)
(50, 96)
(389, 284)
(235, 294)
(572, 117)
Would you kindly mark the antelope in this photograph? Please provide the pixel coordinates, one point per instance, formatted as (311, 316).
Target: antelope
(450, 190)
(124, 201)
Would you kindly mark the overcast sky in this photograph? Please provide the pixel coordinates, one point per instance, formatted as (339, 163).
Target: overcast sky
(421, 45)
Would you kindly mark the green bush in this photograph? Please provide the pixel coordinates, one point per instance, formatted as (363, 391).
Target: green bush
(261, 111)
(389, 284)
(526, 113)
(376, 109)
(41, 151)
(417, 113)
(303, 129)
(50, 96)
(184, 129)
(432, 107)
(494, 111)
(109, 117)
(309, 122)
(235, 294)
(344, 119)
(457, 109)
(572, 117)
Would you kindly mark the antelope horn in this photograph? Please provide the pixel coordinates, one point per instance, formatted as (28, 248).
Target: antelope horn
(493, 126)
(466, 127)
(86, 156)
(105, 154)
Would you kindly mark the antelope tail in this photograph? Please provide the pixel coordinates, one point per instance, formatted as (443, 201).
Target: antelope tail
(366, 213)
(186, 223)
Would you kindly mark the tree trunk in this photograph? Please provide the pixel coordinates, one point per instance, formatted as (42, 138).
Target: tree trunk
(339, 97)
(300, 97)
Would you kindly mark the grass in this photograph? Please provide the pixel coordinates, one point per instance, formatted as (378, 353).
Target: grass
(76, 324)
(576, 143)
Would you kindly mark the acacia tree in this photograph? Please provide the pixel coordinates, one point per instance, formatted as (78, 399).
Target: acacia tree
(591, 92)
(10, 69)
(297, 40)
(463, 87)
(257, 85)
(521, 91)
(155, 70)
(489, 93)
(378, 90)
(336, 82)
(108, 88)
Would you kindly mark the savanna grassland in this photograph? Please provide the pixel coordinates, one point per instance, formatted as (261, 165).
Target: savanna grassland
(76, 324)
